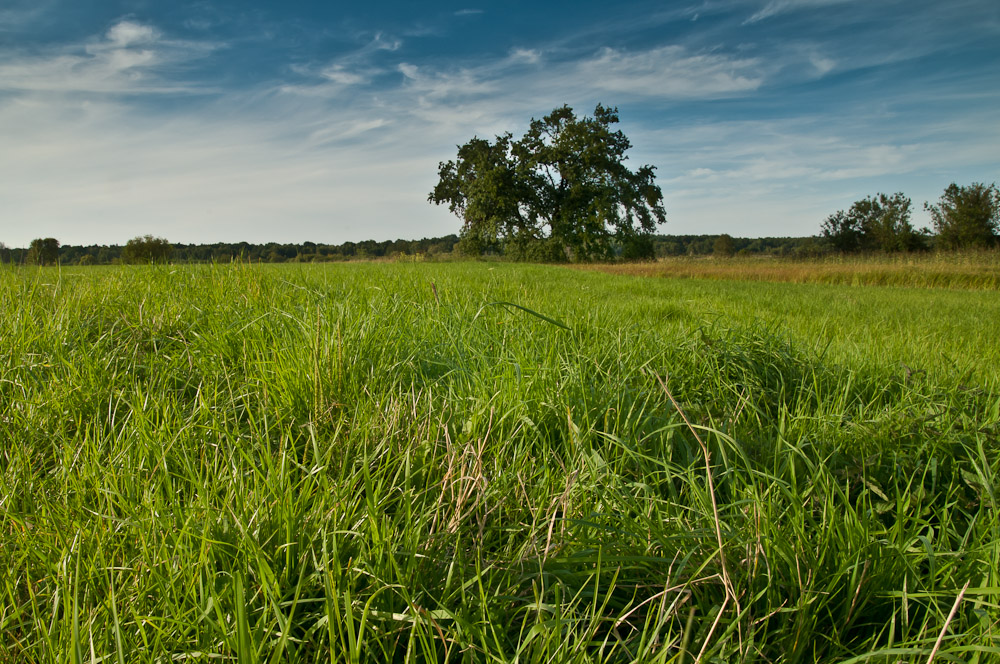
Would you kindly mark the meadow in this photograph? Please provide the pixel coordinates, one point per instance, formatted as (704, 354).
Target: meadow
(478, 462)
(978, 270)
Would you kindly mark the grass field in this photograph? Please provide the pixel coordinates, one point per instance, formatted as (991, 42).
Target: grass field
(486, 463)
(967, 270)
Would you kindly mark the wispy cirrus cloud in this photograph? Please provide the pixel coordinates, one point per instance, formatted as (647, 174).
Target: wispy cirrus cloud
(129, 58)
(537, 74)
(526, 55)
(353, 68)
(671, 72)
(777, 7)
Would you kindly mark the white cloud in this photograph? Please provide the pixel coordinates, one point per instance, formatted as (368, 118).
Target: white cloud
(777, 7)
(671, 72)
(127, 59)
(126, 33)
(506, 87)
(433, 87)
(330, 79)
(338, 73)
(384, 42)
(822, 65)
(345, 130)
(526, 55)
(701, 173)
(411, 72)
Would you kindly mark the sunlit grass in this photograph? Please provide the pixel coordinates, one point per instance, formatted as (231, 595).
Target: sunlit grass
(379, 462)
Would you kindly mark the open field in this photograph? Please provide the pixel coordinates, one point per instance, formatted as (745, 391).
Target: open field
(969, 270)
(485, 463)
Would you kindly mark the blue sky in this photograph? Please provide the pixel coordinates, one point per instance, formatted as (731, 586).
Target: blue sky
(304, 120)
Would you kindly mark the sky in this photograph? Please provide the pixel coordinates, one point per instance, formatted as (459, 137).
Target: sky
(225, 121)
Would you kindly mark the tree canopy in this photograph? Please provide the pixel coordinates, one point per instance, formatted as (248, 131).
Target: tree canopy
(560, 192)
(967, 216)
(147, 249)
(877, 223)
(724, 246)
(43, 251)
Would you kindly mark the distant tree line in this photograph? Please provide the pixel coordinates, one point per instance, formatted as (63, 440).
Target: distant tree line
(965, 217)
(149, 249)
(152, 250)
(666, 246)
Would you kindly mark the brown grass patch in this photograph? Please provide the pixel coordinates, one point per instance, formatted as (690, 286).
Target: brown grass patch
(967, 271)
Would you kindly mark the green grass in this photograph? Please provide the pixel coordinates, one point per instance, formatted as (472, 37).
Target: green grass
(469, 462)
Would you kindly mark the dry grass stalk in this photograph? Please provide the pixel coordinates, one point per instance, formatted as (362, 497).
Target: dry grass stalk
(975, 271)
(726, 580)
(944, 628)
(464, 479)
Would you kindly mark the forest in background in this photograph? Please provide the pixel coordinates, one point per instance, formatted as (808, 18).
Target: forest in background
(444, 247)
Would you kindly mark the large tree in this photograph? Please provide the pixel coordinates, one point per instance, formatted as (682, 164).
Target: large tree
(967, 216)
(877, 223)
(560, 192)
